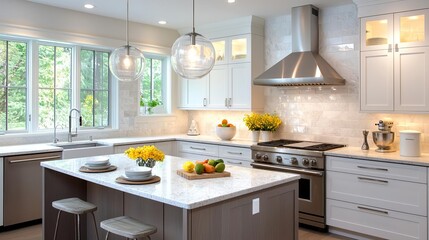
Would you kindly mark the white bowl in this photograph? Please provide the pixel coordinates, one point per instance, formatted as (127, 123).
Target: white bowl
(138, 171)
(225, 133)
(98, 161)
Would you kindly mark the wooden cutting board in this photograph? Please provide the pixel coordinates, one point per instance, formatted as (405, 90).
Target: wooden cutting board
(193, 175)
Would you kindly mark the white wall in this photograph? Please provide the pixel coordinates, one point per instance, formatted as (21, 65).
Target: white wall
(313, 113)
(23, 18)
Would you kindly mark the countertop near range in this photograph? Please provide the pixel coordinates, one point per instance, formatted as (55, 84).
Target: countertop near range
(199, 139)
(48, 147)
(371, 154)
(173, 189)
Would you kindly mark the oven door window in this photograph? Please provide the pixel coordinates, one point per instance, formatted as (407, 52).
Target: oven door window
(305, 189)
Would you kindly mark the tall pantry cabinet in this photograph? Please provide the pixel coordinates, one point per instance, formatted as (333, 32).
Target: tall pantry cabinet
(395, 62)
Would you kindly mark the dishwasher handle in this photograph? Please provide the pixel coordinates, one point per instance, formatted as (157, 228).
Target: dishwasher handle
(58, 157)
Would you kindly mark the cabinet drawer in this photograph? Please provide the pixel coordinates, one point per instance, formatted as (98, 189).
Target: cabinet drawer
(377, 169)
(235, 162)
(198, 148)
(401, 196)
(235, 153)
(375, 222)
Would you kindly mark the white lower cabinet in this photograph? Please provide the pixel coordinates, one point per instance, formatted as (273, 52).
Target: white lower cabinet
(167, 147)
(236, 155)
(376, 222)
(380, 199)
(239, 156)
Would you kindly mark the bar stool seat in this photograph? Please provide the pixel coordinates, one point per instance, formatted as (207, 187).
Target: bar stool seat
(77, 207)
(127, 227)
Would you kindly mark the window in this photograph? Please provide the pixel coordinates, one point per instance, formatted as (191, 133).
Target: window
(153, 85)
(13, 86)
(41, 81)
(54, 85)
(94, 88)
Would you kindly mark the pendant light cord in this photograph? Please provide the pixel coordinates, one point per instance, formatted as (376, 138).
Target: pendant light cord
(128, 43)
(193, 36)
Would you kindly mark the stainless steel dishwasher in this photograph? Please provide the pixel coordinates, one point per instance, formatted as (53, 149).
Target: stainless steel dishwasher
(23, 187)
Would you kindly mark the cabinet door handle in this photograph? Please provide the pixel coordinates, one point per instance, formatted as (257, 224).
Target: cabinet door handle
(205, 102)
(374, 168)
(196, 148)
(35, 159)
(226, 102)
(234, 162)
(229, 102)
(373, 180)
(396, 47)
(373, 210)
(235, 153)
(389, 48)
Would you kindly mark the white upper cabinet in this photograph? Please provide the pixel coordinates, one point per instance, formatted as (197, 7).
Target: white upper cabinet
(395, 62)
(377, 32)
(234, 49)
(239, 48)
(411, 29)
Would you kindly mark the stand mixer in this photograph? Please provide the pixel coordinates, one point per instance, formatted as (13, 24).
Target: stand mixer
(384, 137)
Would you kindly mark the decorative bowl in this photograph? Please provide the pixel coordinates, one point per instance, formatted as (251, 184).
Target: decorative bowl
(226, 133)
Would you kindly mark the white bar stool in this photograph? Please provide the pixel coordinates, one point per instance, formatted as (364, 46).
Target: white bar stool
(127, 227)
(77, 207)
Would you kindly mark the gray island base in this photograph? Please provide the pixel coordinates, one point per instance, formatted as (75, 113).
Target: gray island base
(250, 205)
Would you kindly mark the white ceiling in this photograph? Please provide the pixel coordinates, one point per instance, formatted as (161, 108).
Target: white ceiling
(178, 13)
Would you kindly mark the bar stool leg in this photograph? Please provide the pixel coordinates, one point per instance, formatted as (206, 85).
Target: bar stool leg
(107, 236)
(75, 226)
(56, 225)
(95, 225)
(78, 226)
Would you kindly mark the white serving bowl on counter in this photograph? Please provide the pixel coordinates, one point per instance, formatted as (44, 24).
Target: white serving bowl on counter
(226, 133)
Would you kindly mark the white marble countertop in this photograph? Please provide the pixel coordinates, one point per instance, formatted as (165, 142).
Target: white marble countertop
(173, 189)
(48, 147)
(371, 154)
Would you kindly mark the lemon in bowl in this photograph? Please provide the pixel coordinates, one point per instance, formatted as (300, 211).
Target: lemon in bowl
(226, 133)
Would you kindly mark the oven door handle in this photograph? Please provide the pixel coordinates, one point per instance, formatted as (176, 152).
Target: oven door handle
(287, 169)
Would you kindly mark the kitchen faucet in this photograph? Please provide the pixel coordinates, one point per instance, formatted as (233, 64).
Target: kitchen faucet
(71, 135)
(55, 133)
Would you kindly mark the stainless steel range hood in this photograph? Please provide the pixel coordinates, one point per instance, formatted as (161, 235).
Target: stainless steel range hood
(304, 66)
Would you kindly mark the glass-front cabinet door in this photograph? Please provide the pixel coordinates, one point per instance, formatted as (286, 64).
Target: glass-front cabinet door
(412, 28)
(377, 32)
(240, 49)
(220, 50)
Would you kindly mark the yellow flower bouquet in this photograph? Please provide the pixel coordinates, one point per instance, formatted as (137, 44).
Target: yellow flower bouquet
(146, 155)
(252, 121)
(270, 122)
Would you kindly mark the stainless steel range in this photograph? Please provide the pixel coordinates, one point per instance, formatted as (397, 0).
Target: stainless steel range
(306, 159)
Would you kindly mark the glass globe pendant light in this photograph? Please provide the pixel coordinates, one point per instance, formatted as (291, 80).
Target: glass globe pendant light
(192, 55)
(127, 62)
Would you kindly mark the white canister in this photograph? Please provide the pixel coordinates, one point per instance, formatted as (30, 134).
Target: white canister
(409, 145)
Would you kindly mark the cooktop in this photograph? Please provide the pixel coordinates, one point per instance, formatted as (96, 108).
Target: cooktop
(306, 145)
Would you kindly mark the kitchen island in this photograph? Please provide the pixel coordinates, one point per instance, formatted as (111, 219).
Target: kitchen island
(251, 204)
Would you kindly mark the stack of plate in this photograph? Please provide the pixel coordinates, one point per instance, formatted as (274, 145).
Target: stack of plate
(138, 174)
(98, 163)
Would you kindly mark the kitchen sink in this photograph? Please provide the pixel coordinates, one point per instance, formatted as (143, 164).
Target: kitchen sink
(74, 145)
(83, 149)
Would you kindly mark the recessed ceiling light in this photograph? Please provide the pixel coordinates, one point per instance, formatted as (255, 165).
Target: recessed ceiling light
(89, 6)
(162, 22)
(231, 1)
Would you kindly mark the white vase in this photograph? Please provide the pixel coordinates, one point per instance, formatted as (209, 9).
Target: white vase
(266, 136)
(255, 136)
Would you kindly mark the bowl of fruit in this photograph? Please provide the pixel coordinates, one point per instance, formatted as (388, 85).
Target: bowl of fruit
(225, 130)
